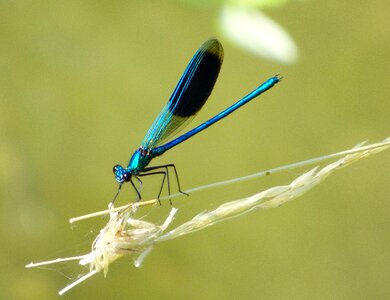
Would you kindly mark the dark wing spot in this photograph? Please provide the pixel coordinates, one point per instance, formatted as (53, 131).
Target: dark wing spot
(198, 80)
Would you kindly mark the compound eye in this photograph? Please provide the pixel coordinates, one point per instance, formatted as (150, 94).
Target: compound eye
(126, 176)
(115, 169)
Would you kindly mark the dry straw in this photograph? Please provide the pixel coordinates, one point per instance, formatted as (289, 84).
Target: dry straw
(124, 234)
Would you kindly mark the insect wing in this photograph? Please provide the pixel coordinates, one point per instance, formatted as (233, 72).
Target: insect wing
(190, 94)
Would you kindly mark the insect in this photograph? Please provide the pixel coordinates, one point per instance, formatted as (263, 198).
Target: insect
(190, 94)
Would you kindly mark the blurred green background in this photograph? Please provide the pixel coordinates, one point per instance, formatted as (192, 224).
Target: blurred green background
(80, 84)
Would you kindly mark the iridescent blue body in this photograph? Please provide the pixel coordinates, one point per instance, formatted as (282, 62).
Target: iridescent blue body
(189, 96)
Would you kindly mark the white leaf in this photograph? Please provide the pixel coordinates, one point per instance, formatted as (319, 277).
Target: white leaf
(255, 32)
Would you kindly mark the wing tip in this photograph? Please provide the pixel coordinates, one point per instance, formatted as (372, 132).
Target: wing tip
(214, 47)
